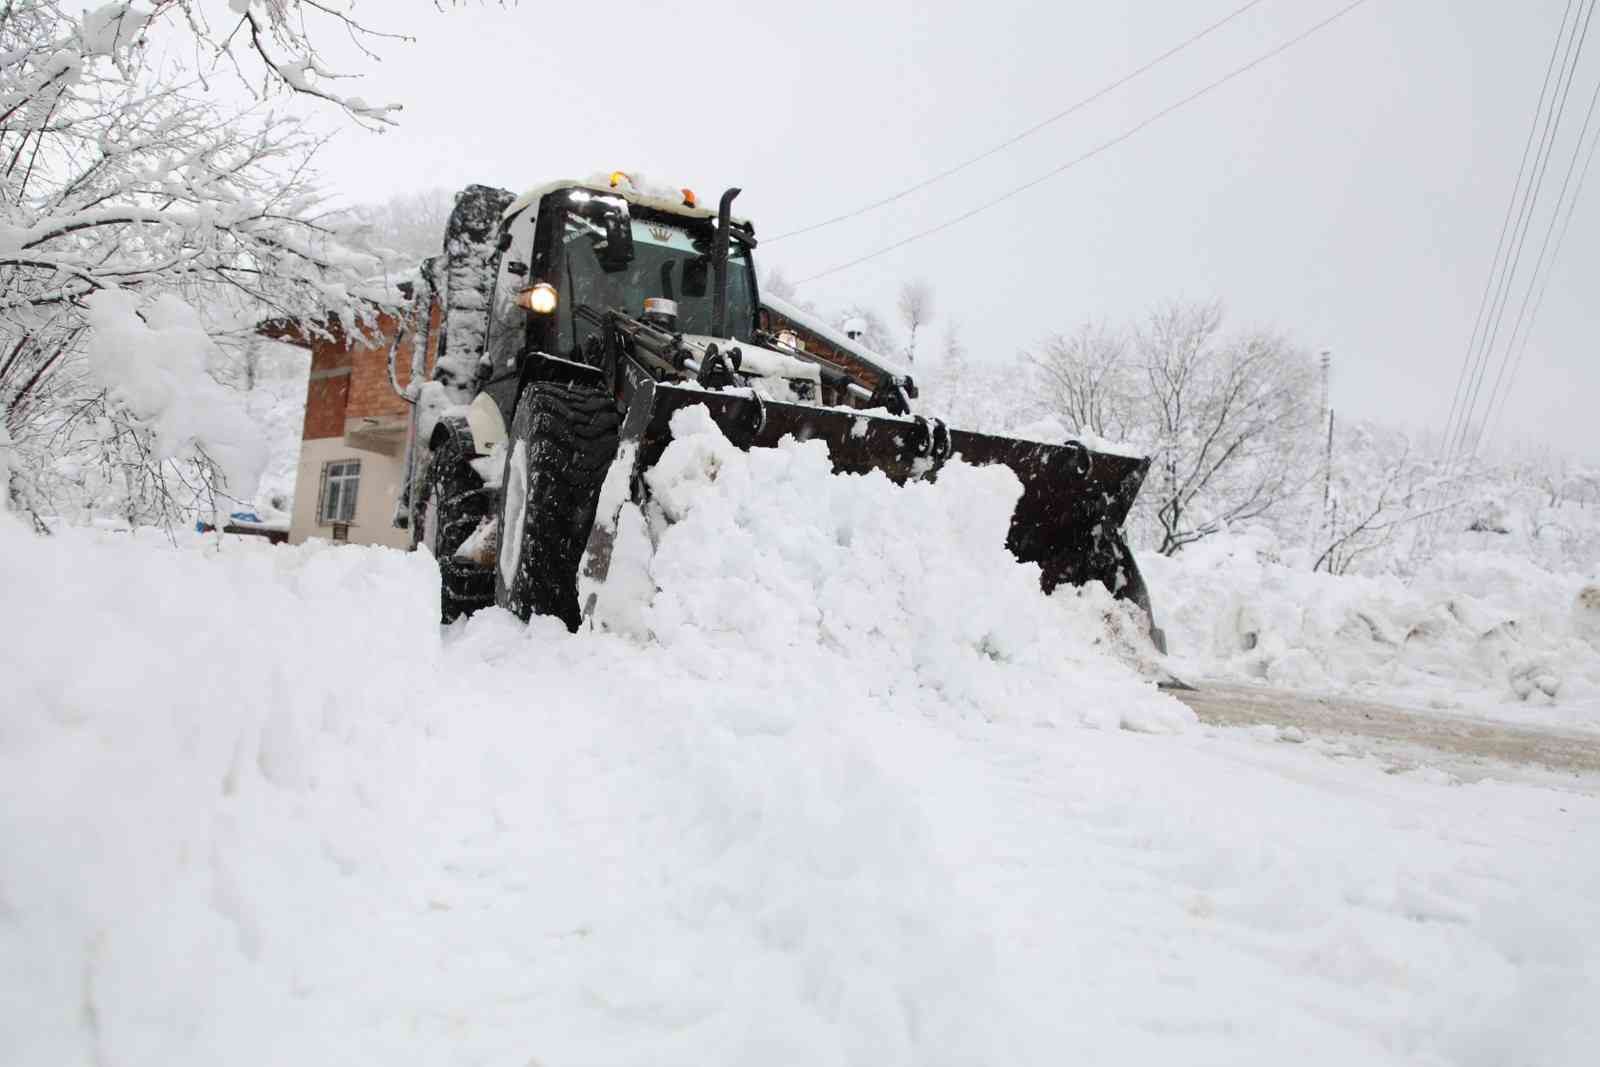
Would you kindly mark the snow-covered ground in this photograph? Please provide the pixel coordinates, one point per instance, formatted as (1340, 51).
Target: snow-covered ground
(847, 790)
(1481, 633)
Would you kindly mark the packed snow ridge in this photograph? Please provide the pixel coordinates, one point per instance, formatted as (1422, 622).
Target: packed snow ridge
(1482, 633)
(831, 783)
(769, 556)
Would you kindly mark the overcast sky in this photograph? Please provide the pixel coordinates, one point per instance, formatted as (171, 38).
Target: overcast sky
(1348, 192)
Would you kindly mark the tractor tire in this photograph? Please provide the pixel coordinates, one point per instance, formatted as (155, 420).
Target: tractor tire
(563, 439)
(450, 504)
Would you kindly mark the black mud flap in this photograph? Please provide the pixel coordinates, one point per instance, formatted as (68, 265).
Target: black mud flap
(1068, 519)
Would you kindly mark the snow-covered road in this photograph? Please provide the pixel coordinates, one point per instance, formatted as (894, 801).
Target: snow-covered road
(845, 800)
(1474, 746)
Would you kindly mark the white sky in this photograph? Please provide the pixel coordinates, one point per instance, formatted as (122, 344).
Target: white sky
(1349, 192)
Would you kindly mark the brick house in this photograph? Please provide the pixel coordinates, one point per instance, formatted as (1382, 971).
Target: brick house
(353, 441)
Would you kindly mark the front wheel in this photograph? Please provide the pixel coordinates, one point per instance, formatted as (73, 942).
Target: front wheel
(563, 439)
(450, 504)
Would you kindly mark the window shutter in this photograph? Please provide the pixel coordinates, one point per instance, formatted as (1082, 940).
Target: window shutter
(352, 486)
(322, 498)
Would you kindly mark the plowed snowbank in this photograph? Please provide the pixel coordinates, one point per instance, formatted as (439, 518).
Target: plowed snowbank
(1476, 632)
(906, 593)
(257, 808)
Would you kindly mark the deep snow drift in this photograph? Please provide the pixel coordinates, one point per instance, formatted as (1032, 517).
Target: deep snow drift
(845, 789)
(1481, 633)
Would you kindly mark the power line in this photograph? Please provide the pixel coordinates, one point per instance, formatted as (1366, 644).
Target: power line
(1515, 362)
(1520, 232)
(1029, 132)
(1097, 150)
(1463, 376)
(1561, 237)
(1503, 265)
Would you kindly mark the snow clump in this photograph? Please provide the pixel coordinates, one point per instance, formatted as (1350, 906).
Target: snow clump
(768, 554)
(156, 360)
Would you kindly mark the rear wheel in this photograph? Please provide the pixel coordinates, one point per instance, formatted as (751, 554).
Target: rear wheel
(563, 439)
(450, 504)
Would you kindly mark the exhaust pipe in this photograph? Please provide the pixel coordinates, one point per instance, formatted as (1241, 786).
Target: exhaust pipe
(719, 264)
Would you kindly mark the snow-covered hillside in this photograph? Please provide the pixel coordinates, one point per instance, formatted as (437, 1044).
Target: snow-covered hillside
(852, 793)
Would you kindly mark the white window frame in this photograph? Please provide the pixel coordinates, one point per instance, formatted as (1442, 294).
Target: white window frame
(343, 476)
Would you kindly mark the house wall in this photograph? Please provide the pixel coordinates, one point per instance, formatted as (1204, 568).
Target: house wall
(326, 395)
(381, 476)
(352, 412)
(371, 395)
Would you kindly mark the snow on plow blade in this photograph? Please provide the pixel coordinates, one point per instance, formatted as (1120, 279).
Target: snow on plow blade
(1068, 519)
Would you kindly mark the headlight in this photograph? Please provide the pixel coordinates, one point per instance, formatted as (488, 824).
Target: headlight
(539, 299)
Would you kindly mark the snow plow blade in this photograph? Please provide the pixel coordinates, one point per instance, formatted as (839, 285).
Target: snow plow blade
(1068, 519)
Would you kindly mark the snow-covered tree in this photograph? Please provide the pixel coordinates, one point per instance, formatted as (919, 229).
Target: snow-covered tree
(1226, 419)
(985, 395)
(271, 46)
(916, 307)
(1378, 488)
(1229, 418)
(1089, 379)
(409, 225)
(145, 227)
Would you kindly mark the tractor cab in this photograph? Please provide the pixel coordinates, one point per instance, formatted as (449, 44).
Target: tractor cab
(648, 253)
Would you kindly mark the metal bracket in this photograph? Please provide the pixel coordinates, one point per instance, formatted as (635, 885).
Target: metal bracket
(541, 366)
(930, 439)
(720, 369)
(1078, 456)
(893, 393)
(761, 415)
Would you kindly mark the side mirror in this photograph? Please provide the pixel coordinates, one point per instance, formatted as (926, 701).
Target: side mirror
(617, 251)
(696, 276)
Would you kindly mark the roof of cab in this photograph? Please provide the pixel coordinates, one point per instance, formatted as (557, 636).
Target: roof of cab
(635, 190)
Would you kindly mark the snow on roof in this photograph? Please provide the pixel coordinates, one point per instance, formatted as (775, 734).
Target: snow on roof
(833, 336)
(636, 190)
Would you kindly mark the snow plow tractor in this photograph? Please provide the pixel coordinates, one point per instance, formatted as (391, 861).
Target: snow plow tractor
(570, 323)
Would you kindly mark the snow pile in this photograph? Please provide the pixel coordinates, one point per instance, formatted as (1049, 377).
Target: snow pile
(370, 842)
(769, 556)
(1479, 631)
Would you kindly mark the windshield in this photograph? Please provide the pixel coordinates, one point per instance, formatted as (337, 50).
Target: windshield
(671, 258)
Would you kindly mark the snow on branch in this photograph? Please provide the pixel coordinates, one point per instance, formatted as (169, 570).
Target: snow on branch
(123, 187)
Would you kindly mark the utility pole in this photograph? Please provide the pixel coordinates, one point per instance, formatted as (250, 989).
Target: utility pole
(1319, 519)
(1327, 413)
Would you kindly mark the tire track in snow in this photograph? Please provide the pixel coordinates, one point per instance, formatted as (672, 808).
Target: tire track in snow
(1477, 740)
